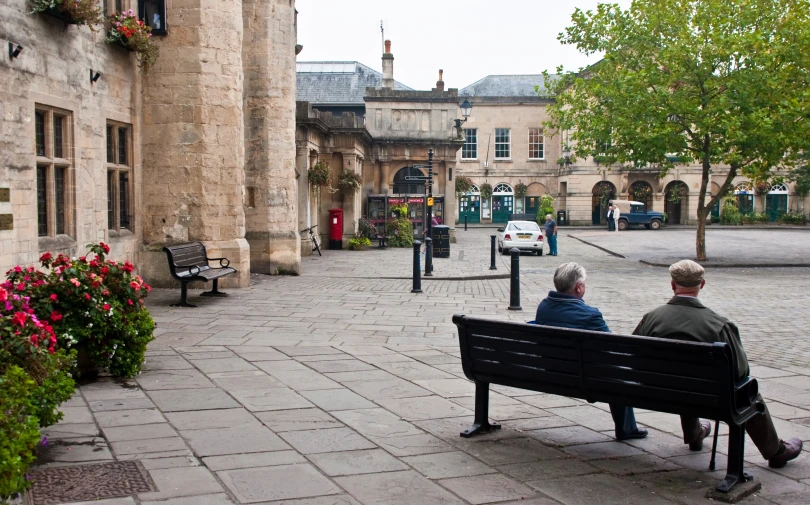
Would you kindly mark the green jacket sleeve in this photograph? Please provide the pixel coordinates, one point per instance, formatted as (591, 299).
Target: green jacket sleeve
(731, 334)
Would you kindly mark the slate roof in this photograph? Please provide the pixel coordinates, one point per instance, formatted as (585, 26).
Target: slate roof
(504, 86)
(336, 82)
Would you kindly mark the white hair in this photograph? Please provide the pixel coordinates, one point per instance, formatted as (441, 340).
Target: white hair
(567, 276)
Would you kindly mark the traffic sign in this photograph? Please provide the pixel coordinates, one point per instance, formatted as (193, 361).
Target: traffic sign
(430, 201)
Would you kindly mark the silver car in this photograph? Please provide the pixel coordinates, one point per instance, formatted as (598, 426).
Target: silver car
(525, 235)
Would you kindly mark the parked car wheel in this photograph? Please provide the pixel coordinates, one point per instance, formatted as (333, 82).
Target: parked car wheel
(655, 224)
(622, 224)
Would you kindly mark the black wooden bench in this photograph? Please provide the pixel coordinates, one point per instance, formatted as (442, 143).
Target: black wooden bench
(189, 263)
(686, 378)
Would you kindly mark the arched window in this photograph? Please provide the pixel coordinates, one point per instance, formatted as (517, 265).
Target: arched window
(474, 190)
(743, 188)
(404, 187)
(641, 191)
(779, 189)
(502, 188)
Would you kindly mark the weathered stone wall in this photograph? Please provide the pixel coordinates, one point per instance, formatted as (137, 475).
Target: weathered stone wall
(270, 153)
(193, 138)
(53, 70)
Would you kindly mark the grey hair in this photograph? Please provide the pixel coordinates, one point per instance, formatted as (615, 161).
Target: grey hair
(567, 276)
(548, 216)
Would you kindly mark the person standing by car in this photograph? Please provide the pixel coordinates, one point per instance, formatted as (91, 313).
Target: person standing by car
(616, 214)
(551, 235)
(611, 222)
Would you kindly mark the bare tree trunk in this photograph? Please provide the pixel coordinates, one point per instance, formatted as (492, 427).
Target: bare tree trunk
(700, 239)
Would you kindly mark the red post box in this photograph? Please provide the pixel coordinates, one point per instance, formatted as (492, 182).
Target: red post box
(336, 229)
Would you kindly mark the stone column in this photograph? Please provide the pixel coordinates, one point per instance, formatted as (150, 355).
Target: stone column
(450, 201)
(351, 201)
(302, 166)
(193, 138)
(385, 189)
(268, 52)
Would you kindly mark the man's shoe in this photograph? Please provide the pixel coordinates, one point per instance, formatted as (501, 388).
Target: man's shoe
(705, 431)
(787, 450)
(634, 435)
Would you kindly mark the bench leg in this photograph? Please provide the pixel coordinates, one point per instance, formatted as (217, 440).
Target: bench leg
(481, 422)
(214, 291)
(736, 449)
(183, 296)
(714, 445)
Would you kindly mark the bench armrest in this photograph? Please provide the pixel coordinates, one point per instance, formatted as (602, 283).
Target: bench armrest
(745, 403)
(191, 271)
(221, 264)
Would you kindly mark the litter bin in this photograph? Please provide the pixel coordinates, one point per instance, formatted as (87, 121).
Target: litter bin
(562, 218)
(336, 229)
(441, 241)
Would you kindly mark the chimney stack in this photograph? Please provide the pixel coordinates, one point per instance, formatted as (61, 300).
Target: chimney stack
(388, 66)
(440, 82)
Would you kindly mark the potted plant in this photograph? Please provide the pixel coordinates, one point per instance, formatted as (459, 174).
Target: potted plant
(75, 12)
(463, 184)
(132, 33)
(521, 190)
(486, 191)
(349, 181)
(359, 243)
(366, 228)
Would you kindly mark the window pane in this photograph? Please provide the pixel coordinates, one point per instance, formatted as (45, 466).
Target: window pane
(536, 147)
(58, 141)
(42, 201)
(470, 148)
(40, 132)
(59, 186)
(119, 5)
(110, 145)
(502, 142)
(152, 12)
(122, 146)
(123, 199)
(111, 201)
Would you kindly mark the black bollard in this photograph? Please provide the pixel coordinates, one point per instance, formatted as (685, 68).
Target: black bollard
(428, 257)
(492, 265)
(465, 223)
(417, 269)
(514, 292)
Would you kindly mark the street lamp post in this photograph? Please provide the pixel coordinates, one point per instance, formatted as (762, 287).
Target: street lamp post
(466, 109)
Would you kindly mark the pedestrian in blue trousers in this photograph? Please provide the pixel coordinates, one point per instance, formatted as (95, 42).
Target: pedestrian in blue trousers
(551, 235)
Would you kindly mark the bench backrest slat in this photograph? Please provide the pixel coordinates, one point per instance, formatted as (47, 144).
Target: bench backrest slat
(650, 364)
(188, 255)
(663, 380)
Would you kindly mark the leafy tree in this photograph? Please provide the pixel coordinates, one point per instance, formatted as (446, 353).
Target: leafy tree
(801, 176)
(721, 82)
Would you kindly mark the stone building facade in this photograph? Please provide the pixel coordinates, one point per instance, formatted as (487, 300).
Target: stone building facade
(506, 145)
(202, 148)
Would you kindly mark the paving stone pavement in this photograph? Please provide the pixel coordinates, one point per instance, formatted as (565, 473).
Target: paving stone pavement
(340, 387)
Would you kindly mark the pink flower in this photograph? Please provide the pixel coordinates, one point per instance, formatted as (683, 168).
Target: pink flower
(56, 316)
(75, 282)
(3, 295)
(134, 285)
(19, 318)
(53, 297)
(106, 306)
(87, 296)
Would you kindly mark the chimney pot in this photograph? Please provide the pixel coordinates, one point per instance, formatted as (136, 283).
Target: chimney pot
(388, 67)
(440, 82)
(388, 46)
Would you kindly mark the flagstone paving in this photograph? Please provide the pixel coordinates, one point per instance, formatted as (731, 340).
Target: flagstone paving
(340, 387)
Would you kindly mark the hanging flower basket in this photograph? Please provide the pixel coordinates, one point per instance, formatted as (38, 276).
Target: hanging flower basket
(486, 191)
(521, 190)
(463, 184)
(132, 33)
(763, 188)
(74, 12)
(349, 181)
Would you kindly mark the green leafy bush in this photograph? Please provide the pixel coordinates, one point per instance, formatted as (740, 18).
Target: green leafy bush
(399, 232)
(357, 243)
(545, 208)
(755, 218)
(366, 228)
(729, 213)
(793, 218)
(19, 431)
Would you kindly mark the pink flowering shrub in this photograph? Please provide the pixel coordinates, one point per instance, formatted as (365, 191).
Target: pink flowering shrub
(92, 302)
(129, 31)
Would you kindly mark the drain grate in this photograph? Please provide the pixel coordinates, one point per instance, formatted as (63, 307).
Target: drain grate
(88, 482)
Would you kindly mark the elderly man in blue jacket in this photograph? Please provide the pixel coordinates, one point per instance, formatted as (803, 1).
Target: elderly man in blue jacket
(565, 308)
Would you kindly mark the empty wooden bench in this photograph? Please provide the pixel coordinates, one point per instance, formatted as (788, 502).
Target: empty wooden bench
(680, 377)
(190, 263)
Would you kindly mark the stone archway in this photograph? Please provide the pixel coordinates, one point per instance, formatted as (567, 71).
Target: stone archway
(531, 202)
(676, 205)
(405, 187)
(641, 191)
(603, 192)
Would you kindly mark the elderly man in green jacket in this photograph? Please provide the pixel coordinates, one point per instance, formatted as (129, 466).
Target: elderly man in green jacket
(685, 318)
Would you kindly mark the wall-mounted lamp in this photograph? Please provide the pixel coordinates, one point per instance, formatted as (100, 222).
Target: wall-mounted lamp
(14, 50)
(466, 109)
(94, 76)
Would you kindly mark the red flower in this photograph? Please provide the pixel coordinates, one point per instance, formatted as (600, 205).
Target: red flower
(3, 295)
(105, 293)
(106, 306)
(134, 285)
(20, 286)
(45, 257)
(105, 270)
(19, 318)
(129, 302)
(56, 316)
(87, 296)
(105, 247)
(128, 267)
(53, 297)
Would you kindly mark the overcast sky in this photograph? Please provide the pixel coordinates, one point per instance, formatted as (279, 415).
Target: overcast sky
(469, 39)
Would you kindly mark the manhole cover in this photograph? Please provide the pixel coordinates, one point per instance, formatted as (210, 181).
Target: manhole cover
(88, 482)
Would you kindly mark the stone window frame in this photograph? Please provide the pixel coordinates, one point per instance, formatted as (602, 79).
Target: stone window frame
(501, 144)
(54, 174)
(535, 146)
(119, 163)
(469, 151)
(110, 7)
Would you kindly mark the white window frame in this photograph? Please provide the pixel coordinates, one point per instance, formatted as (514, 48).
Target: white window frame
(467, 143)
(542, 143)
(508, 144)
